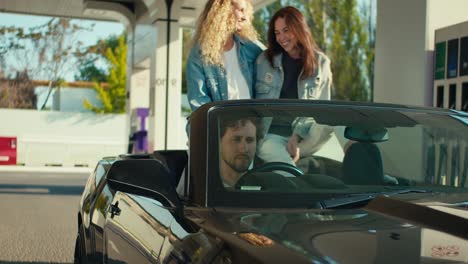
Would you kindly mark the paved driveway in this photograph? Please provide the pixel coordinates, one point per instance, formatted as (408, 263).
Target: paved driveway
(38, 213)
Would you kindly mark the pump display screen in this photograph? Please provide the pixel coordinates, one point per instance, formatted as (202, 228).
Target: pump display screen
(464, 56)
(452, 58)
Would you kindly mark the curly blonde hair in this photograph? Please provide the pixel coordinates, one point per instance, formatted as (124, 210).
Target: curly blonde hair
(216, 24)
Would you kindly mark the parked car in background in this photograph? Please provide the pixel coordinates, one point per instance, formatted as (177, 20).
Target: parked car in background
(375, 183)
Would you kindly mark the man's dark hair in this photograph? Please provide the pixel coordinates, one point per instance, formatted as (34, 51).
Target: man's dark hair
(236, 122)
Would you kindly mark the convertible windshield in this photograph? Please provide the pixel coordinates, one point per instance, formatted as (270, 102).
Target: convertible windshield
(339, 150)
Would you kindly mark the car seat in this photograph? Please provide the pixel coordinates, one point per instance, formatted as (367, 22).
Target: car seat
(174, 160)
(362, 165)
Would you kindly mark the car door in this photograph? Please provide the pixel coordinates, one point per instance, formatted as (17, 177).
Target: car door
(98, 217)
(92, 204)
(135, 229)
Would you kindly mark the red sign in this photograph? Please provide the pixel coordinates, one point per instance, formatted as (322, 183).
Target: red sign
(8, 150)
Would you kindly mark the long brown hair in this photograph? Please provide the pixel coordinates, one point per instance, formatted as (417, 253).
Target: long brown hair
(297, 24)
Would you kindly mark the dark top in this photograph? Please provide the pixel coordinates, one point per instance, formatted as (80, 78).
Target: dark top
(292, 69)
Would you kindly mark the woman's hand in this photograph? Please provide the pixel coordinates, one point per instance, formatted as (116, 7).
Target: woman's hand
(292, 147)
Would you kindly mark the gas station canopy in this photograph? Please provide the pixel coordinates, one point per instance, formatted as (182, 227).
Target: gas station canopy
(117, 10)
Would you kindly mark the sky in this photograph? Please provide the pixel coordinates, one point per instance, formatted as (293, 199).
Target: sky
(101, 29)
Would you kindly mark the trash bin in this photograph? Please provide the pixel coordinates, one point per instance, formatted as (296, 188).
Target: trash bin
(8, 150)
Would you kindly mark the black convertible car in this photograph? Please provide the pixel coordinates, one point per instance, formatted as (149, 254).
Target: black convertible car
(287, 181)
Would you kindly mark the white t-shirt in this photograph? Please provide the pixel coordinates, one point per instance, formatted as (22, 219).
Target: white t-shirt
(237, 85)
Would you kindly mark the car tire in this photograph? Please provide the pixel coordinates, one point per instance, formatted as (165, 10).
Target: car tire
(80, 249)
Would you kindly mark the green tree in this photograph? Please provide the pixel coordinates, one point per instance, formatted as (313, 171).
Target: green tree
(344, 33)
(317, 14)
(348, 50)
(262, 18)
(187, 44)
(112, 97)
(88, 69)
(368, 11)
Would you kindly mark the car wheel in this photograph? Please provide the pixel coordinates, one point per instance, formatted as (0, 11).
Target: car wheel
(80, 250)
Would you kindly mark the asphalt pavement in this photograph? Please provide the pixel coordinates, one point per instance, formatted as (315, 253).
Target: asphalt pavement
(38, 208)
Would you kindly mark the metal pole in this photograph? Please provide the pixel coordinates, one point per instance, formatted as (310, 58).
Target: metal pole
(168, 40)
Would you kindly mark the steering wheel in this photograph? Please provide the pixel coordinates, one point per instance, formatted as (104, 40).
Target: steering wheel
(269, 167)
(273, 166)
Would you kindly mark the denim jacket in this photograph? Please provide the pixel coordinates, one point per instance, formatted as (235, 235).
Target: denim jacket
(207, 83)
(317, 87)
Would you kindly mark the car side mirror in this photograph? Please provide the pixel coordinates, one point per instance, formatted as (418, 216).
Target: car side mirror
(145, 177)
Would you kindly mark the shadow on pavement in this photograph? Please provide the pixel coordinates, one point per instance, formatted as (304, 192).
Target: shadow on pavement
(40, 189)
(32, 262)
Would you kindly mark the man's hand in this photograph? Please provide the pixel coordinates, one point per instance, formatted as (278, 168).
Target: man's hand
(292, 147)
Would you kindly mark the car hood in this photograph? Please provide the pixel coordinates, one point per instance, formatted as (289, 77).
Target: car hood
(385, 231)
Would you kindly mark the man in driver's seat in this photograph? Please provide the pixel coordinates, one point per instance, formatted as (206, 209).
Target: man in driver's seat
(237, 148)
(238, 145)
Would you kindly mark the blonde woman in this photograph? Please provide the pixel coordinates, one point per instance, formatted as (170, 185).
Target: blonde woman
(221, 64)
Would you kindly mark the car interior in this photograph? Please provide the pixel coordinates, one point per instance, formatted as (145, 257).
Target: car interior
(364, 162)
